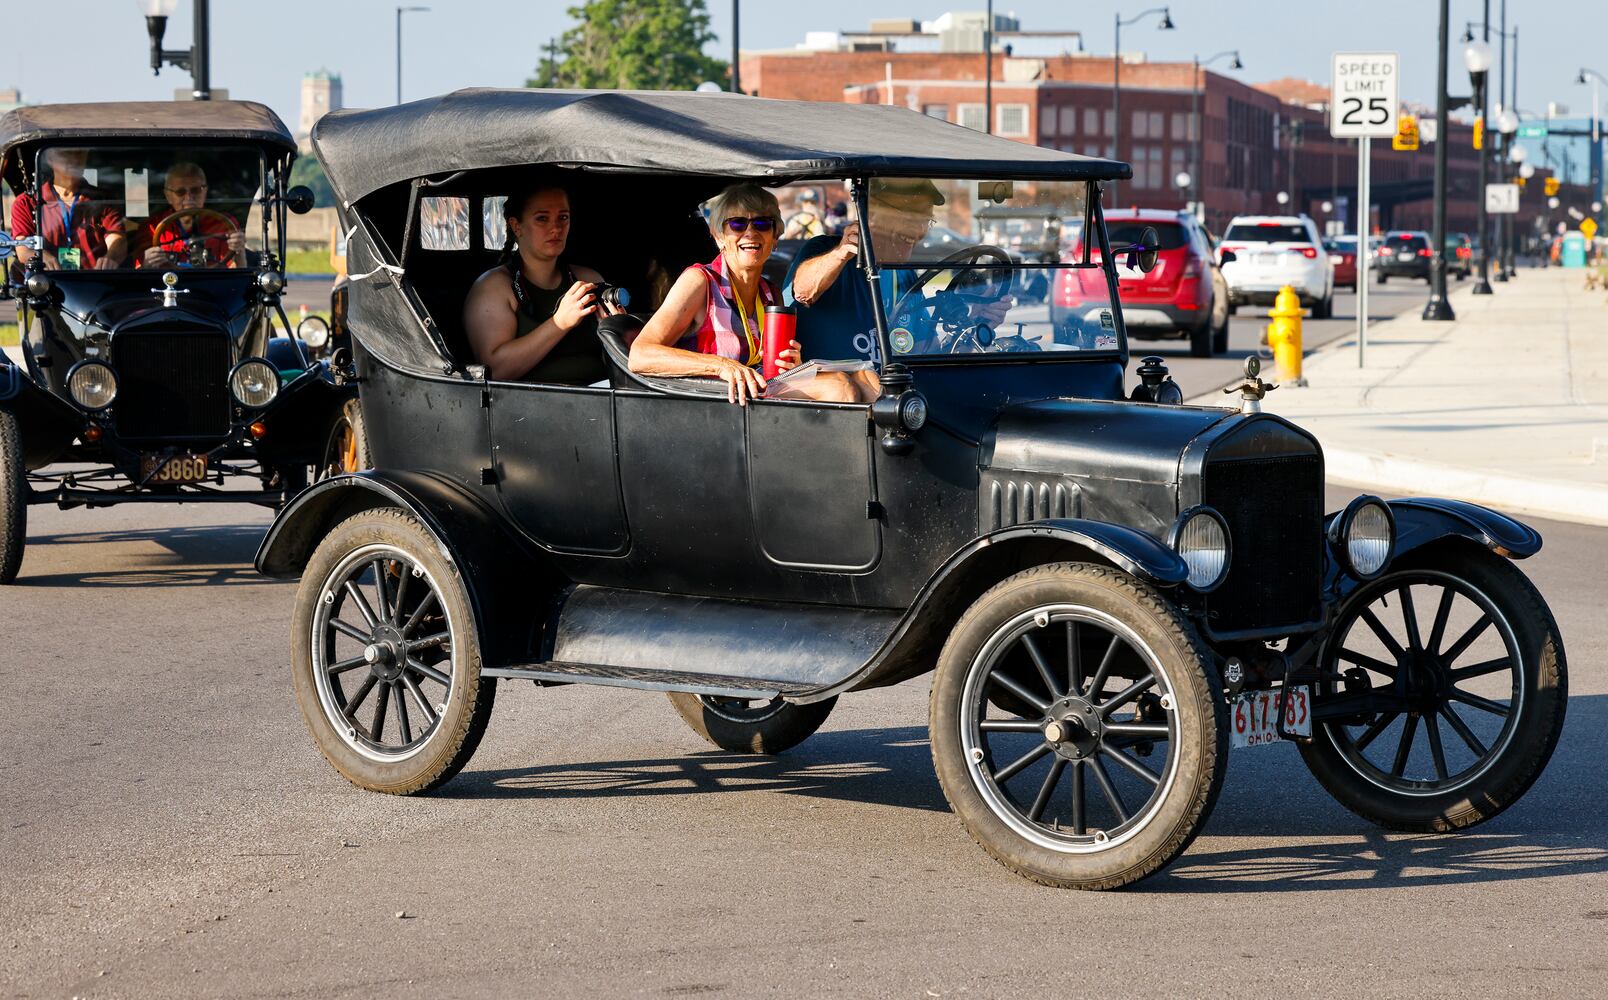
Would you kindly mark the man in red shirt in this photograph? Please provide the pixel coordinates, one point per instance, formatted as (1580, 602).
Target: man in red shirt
(199, 240)
(81, 230)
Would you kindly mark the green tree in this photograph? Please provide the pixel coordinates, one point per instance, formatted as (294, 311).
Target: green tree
(633, 45)
(306, 170)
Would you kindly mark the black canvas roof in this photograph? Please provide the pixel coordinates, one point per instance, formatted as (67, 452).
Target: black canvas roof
(214, 120)
(722, 135)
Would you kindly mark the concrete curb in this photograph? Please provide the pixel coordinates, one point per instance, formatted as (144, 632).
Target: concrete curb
(1579, 502)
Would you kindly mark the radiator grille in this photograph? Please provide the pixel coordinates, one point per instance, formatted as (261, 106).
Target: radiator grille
(1274, 509)
(172, 385)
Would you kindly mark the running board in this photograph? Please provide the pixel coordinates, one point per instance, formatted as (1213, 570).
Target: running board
(646, 680)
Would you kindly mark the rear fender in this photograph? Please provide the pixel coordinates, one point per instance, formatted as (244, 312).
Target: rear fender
(509, 587)
(913, 647)
(48, 423)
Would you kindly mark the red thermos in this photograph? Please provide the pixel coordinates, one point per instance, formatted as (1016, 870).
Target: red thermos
(781, 326)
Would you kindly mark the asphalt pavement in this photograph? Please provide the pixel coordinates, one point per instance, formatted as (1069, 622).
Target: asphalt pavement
(169, 829)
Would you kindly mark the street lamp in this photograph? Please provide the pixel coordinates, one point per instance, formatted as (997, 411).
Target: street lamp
(1197, 126)
(1596, 136)
(1507, 123)
(1438, 307)
(1283, 197)
(399, 12)
(1116, 71)
(1477, 60)
(193, 58)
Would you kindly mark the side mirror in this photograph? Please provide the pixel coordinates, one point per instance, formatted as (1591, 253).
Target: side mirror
(1228, 257)
(299, 199)
(1142, 254)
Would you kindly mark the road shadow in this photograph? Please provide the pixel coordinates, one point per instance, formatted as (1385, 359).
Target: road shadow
(1553, 830)
(192, 556)
(887, 766)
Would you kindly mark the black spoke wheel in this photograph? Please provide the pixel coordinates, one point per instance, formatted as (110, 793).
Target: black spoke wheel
(1075, 728)
(1444, 693)
(751, 725)
(385, 656)
(13, 498)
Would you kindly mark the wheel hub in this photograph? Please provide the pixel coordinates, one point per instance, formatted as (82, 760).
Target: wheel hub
(1423, 680)
(385, 653)
(1073, 728)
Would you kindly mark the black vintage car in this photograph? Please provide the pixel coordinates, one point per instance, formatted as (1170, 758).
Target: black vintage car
(148, 241)
(1109, 588)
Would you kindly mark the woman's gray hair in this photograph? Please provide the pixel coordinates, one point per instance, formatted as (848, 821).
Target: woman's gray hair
(742, 199)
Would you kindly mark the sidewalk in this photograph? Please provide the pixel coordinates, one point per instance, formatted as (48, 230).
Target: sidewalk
(1507, 406)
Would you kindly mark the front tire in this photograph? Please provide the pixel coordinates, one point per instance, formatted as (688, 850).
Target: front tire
(1324, 308)
(13, 498)
(382, 621)
(742, 726)
(1077, 671)
(1486, 689)
(1200, 341)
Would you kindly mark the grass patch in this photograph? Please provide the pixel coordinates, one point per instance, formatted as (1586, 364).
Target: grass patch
(307, 262)
(8, 335)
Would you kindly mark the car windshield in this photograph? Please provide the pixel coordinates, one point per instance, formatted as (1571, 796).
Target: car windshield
(147, 207)
(957, 282)
(1267, 232)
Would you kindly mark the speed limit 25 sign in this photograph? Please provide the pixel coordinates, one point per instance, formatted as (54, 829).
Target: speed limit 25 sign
(1363, 105)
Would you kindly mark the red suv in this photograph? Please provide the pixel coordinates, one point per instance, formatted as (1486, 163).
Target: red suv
(1184, 296)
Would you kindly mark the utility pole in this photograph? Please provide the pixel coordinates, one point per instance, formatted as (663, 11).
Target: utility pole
(1483, 286)
(1502, 154)
(736, 52)
(988, 70)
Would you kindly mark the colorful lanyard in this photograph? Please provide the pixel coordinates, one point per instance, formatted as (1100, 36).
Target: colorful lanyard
(759, 321)
(68, 205)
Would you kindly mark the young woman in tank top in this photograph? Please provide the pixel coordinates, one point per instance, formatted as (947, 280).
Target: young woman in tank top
(534, 317)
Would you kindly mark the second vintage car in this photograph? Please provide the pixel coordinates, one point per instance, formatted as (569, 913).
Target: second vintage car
(157, 361)
(1109, 589)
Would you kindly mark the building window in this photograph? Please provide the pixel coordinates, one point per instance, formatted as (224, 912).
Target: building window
(1141, 125)
(1047, 119)
(938, 111)
(1110, 122)
(1011, 120)
(1069, 121)
(1091, 121)
(1178, 161)
(972, 116)
(1147, 163)
(1180, 126)
(1158, 125)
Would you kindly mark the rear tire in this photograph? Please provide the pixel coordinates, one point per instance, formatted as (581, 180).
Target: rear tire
(13, 498)
(1220, 337)
(1200, 341)
(1065, 675)
(346, 447)
(743, 727)
(1383, 278)
(1323, 308)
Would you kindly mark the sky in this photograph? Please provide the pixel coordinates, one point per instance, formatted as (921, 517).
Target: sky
(262, 48)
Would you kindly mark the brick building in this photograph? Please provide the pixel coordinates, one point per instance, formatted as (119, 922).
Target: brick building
(1255, 141)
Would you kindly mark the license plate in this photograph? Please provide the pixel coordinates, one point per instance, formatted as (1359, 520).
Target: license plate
(1266, 258)
(1405, 255)
(173, 468)
(1254, 716)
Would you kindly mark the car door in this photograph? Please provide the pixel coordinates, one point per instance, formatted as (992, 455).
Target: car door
(553, 460)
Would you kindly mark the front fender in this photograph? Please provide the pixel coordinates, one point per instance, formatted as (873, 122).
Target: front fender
(508, 586)
(913, 646)
(48, 423)
(1421, 520)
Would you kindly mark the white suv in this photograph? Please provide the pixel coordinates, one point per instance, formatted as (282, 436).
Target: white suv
(1271, 251)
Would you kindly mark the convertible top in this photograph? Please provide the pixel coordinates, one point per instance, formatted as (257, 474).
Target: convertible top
(716, 135)
(213, 120)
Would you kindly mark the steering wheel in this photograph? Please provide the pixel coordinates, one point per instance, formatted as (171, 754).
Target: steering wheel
(198, 214)
(965, 255)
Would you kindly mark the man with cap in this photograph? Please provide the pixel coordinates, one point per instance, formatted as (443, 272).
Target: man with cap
(836, 320)
(805, 223)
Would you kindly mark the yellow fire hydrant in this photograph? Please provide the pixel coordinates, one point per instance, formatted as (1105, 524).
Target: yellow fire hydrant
(1284, 336)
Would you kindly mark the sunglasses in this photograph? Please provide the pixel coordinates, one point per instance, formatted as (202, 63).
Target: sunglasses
(761, 224)
(186, 192)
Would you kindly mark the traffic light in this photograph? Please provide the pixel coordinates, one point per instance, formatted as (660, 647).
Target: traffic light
(1479, 132)
(1552, 186)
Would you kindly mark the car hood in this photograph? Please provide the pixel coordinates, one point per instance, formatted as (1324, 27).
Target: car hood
(1099, 439)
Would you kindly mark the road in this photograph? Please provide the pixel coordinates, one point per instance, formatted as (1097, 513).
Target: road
(170, 830)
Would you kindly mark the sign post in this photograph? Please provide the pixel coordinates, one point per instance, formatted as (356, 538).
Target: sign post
(1364, 106)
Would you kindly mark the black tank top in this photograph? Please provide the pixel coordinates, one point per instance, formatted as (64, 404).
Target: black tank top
(577, 358)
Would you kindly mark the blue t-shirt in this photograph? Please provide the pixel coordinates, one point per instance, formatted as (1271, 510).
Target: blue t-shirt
(840, 325)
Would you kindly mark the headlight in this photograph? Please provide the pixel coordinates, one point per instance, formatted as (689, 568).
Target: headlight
(912, 410)
(93, 385)
(1365, 533)
(1200, 536)
(254, 383)
(313, 332)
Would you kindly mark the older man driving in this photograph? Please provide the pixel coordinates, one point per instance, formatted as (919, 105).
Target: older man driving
(838, 320)
(189, 234)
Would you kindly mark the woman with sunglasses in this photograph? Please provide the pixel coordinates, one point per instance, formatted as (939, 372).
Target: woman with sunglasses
(712, 323)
